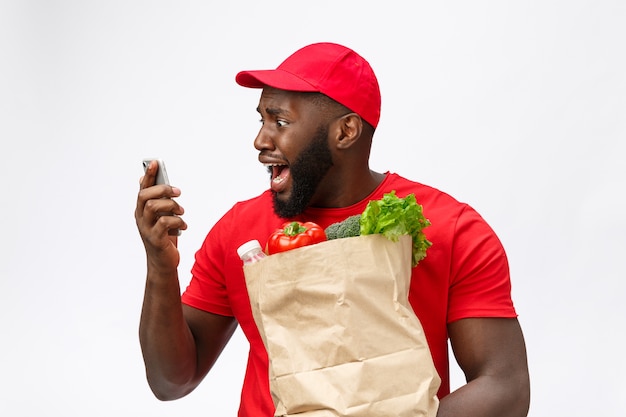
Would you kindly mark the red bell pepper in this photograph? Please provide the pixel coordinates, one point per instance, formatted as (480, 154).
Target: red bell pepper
(293, 235)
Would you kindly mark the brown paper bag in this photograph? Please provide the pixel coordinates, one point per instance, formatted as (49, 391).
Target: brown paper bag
(341, 336)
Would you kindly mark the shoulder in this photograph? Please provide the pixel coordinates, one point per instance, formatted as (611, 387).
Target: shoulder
(452, 221)
(262, 201)
(249, 219)
(252, 210)
(434, 201)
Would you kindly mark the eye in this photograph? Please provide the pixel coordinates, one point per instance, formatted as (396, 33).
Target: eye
(281, 123)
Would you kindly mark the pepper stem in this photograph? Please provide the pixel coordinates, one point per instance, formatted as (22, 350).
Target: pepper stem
(294, 228)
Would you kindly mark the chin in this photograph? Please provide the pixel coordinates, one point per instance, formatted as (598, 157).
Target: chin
(285, 208)
(281, 196)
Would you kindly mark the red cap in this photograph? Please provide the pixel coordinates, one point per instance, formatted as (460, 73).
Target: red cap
(327, 68)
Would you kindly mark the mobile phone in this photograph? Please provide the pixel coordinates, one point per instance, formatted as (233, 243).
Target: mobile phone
(161, 175)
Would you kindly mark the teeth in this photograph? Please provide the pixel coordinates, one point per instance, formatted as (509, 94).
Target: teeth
(273, 165)
(278, 180)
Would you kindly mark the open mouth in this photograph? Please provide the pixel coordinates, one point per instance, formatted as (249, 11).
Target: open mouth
(279, 173)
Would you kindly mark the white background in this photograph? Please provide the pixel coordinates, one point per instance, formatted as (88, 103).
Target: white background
(518, 108)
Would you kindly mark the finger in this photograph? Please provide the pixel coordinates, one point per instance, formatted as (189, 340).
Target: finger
(158, 216)
(158, 196)
(155, 208)
(170, 224)
(159, 191)
(149, 177)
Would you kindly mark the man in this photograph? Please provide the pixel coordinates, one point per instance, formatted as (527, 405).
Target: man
(319, 110)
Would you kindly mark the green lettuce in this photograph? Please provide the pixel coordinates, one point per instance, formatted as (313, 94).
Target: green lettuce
(393, 217)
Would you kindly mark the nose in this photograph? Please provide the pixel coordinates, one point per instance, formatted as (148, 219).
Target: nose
(263, 140)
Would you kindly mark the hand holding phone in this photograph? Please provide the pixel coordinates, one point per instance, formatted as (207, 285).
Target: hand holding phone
(161, 178)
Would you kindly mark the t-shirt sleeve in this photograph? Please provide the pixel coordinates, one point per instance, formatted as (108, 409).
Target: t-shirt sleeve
(207, 289)
(480, 284)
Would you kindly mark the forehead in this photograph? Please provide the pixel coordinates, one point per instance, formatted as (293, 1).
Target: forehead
(274, 100)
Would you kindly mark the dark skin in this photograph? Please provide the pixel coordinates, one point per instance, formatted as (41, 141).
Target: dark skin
(288, 122)
(180, 344)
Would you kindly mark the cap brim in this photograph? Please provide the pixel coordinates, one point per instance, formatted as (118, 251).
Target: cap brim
(277, 78)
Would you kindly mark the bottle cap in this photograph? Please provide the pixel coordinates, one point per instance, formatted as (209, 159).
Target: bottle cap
(246, 247)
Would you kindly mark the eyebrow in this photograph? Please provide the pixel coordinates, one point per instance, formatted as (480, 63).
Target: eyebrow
(273, 111)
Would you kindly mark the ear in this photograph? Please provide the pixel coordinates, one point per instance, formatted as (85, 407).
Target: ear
(349, 128)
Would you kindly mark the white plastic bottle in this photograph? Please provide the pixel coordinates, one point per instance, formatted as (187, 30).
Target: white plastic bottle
(250, 252)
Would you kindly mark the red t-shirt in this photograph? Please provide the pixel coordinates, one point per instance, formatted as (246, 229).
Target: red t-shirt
(465, 274)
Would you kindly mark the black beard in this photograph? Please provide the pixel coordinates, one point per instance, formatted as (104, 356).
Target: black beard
(306, 172)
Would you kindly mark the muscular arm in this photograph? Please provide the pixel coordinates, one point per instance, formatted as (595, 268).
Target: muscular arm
(179, 344)
(492, 354)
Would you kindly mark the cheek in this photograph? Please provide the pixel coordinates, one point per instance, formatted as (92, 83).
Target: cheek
(290, 145)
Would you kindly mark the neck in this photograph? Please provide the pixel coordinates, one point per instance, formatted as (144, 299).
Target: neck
(347, 190)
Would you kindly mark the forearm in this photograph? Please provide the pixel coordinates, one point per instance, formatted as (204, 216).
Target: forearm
(167, 344)
(488, 396)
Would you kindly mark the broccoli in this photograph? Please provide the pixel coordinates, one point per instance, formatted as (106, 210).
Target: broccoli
(350, 227)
